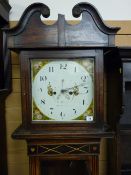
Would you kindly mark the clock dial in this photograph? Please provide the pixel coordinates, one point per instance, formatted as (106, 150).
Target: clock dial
(62, 90)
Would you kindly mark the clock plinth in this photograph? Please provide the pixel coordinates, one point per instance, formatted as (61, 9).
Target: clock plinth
(69, 87)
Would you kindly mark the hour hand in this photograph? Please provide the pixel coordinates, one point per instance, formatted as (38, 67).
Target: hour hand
(50, 90)
(72, 91)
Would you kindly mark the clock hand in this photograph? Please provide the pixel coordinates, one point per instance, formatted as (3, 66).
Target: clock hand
(72, 90)
(50, 91)
(75, 89)
(67, 89)
(67, 96)
(62, 82)
(58, 96)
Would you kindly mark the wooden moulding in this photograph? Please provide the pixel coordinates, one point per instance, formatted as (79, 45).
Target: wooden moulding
(4, 11)
(32, 33)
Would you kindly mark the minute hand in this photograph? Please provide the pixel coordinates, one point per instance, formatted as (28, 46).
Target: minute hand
(67, 89)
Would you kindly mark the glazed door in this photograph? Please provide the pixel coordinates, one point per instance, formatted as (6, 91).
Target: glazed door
(50, 166)
(65, 167)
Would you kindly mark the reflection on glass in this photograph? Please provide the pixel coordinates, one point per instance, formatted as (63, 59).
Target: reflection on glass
(65, 167)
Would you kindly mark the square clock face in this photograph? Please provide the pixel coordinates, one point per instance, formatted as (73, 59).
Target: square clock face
(62, 90)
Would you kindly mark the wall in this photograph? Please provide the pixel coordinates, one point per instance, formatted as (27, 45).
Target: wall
(17, 153)
(109, 10)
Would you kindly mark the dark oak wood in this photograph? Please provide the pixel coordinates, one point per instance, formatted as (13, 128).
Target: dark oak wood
(4, 12)
(91, 31)
(3, 146)
(4, 85)
(49, 142)
(26, 89)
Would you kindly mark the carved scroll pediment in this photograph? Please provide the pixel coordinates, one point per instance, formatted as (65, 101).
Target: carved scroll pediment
(31, 32)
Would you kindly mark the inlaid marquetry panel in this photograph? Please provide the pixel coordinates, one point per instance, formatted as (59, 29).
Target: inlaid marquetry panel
(63, 149)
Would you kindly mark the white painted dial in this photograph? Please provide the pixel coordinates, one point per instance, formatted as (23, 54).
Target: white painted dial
(61, 90)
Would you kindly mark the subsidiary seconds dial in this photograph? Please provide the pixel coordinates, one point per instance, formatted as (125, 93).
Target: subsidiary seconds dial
(62, 90)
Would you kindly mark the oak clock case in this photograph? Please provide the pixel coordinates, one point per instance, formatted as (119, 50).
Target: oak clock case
(69, 88)
(60, 89)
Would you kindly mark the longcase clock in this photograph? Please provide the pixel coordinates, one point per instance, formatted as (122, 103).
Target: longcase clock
(70, 83)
